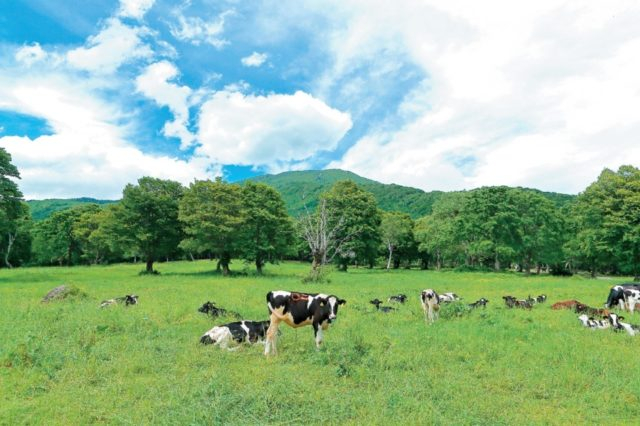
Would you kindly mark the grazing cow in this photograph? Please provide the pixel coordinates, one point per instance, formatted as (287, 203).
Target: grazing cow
(631, 297)
(510, 301)
(593, 324)
(542, 298)
(210, 308)
(565, 304)
(385, 309)
(300, 309)
(448, 297)
(401, 298)
(480, 302)
(129, 299)
(617, 325)
(616, 294)
(523, 304)
(239, 332)
(430, 304)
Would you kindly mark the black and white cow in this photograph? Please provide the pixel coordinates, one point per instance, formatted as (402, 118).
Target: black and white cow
(618, 325)
(239, 332)
(616, 294)
(448, 297)
(297, 310)
(211, 309)
(401, 298)
(430, 304)
(385, 309)
(592, 323)
(129, 299)
(631, 297)
(480, 302)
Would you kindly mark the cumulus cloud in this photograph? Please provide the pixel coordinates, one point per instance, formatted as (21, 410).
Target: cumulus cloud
(254, 60)
(28, 55)
(155, 83)
(540, 94)
(275, 131)
(134, 8)
(87, 154)
(113, 46)
(196, 30)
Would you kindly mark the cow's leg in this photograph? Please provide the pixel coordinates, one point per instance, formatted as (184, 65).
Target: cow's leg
(632, 304)
(430, 312)
(270, 346)
(317, 332)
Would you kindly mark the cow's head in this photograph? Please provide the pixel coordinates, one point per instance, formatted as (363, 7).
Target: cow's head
(428, 295)
(329, 305)
(207, 307)
(130, 299)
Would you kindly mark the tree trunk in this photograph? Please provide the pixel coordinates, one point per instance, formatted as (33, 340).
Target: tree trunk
(390, 247)
(538, 267)
(10, 239)
(259, 266)
(149, 266)
(496, 263)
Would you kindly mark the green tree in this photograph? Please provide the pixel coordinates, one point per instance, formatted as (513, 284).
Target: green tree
(266, 231)
(396, 231)
(55, 239)
(99, 235)
(12, 208)
(212, 214)
(358, 214)
(149, 218)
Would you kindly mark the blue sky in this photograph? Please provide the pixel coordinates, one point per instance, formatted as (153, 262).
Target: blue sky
(430, 94)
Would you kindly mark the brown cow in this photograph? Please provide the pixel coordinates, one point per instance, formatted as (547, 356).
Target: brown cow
(566, 304)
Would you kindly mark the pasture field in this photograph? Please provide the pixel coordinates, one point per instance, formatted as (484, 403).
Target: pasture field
(70, 362)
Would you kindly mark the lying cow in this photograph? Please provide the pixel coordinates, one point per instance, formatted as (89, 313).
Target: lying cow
(297, 310)
(593, 324)
(129, 299)
(617, 295)
(480, 302)
(618, 325)
(238, 332)
(448, 297)
(385, 309)
(582, 308)
(565, 304)
(400, 298)
(211, 309)
(430, 304)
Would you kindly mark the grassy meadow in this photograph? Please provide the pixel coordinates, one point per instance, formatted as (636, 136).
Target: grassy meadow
(70, 362)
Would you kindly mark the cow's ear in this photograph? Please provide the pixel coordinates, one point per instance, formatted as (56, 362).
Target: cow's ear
(342, 302)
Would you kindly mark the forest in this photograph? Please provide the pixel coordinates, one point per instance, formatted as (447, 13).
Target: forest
(489, 228)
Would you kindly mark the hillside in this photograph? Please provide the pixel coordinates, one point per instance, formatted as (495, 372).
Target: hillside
(42, 209)
(304, 187)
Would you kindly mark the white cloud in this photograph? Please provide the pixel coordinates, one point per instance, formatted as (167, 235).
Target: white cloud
(276, 131)
(134, 8)
(155, 83)
(196, 31)
(544, 94)
(254, 60)
(113, 46)
(86, 154)
(28, 55)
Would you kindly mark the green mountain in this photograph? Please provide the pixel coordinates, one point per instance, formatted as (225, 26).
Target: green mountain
(42, 209)
(304, 188)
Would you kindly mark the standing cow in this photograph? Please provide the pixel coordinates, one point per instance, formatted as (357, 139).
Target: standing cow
(617, 294)
(297, 310)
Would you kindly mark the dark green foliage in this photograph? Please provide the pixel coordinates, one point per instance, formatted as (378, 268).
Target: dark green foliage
(266, 230)
(353, 210)
(303, 188)
(149, 219)
(212, 215)
(14, 214)
(42, 209)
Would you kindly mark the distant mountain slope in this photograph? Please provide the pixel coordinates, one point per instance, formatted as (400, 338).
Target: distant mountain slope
(42, 209)
(305, 187)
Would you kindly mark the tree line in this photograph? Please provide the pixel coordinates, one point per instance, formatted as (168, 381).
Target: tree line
(492, 228)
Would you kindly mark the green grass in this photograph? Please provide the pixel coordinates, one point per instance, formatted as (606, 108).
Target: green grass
(70, 362)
